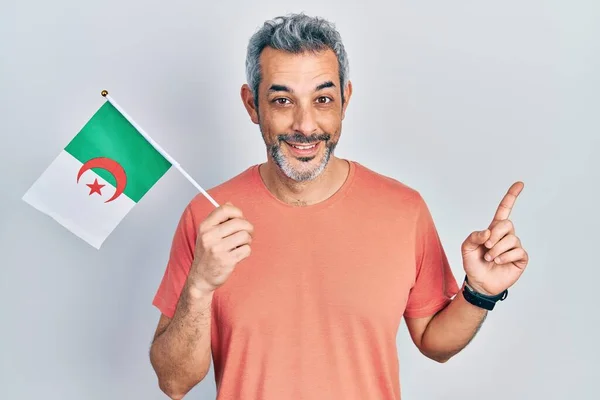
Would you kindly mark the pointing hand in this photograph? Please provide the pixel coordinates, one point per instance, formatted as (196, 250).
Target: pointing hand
(494, 259)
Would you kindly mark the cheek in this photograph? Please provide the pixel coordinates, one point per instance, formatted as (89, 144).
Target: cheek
(276, 121)
(331, 124)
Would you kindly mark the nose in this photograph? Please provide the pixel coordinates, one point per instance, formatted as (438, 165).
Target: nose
(304, 121)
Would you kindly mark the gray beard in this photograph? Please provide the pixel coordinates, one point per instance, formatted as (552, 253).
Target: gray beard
(306, 174)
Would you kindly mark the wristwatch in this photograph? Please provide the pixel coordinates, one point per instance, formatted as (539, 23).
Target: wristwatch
(481, 300)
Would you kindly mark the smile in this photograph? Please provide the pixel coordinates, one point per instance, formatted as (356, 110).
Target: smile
(303, 147)
(303, 150)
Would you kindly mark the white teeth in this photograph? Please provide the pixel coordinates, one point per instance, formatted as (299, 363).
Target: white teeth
(304, 147)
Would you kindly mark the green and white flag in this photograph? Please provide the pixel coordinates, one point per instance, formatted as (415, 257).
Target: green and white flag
(102, 173)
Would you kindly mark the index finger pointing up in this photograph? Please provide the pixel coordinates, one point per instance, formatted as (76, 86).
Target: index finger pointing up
(507, 203)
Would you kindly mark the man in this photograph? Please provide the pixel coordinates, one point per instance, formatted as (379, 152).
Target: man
(297, 284)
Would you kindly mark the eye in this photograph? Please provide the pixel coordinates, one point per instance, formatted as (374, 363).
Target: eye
(281, 101)
(324, 100)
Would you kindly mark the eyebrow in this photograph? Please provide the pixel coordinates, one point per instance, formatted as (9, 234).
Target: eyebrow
(283, 88)
(325, 85)
(280, 88)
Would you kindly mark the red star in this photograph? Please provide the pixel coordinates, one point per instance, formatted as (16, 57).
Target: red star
(95, 187)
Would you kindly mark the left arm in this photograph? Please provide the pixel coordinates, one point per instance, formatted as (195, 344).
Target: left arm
(493, 260)
(443, 335)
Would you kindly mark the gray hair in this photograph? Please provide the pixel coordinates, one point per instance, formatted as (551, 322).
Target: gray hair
(294, 33)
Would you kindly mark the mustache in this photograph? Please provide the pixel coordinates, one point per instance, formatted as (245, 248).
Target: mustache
(299, 138)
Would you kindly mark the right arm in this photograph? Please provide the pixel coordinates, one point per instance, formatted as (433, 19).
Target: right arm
(180, 353)
(181, 350)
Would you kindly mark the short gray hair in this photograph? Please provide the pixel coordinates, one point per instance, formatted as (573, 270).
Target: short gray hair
(294, 33)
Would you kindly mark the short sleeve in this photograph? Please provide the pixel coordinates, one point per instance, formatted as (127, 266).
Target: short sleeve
(435, 285)
(178, 266)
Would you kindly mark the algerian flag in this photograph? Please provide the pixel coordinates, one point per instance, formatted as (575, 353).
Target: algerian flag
(98, 177)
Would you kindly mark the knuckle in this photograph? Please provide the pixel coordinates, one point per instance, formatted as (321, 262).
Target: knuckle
(228, 209)
(233, 212)
(240, 221)
(237, 257)
(243, 252)
(512, 241)
(523, 252)
(203, 227)
(502, 225)
(204, 240)
(465, 243)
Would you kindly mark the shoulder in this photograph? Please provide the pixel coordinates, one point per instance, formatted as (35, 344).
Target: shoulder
(386, 189)
(400, 204)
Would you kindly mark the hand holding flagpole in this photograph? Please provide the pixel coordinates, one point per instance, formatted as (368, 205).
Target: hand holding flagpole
(159, 149)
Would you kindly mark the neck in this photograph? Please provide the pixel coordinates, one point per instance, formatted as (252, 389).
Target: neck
(305, 193)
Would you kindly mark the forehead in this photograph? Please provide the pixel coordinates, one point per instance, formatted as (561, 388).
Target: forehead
(278, 66)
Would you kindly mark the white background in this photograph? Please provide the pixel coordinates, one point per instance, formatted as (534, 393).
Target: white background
(457, 99)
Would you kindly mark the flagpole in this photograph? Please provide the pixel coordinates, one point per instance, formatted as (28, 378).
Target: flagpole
(159, 149)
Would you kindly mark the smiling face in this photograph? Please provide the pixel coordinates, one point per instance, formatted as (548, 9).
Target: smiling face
(300, 110)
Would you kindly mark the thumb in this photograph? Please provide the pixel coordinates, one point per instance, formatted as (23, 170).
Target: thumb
(475, 240)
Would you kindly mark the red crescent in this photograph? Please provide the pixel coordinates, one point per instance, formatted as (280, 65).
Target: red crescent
(111, 166)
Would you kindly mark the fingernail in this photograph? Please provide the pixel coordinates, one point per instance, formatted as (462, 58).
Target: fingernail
(488, 257)
(488, 244)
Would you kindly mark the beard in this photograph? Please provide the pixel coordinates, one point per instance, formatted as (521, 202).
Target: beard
(307, 171)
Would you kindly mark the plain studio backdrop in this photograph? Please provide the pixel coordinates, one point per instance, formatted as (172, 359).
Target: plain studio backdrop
(456, 99)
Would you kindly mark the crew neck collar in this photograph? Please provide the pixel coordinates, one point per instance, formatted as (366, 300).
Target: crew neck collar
(273, 200)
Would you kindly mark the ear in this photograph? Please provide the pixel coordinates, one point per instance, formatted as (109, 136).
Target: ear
(347, 96)
(248, 100)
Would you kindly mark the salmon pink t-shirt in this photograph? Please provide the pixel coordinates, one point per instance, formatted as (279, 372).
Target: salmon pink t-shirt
(314, 312)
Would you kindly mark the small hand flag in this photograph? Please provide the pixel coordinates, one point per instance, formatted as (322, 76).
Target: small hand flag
(102, 173)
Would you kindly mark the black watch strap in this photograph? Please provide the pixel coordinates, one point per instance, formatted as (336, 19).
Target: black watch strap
(482, 300)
